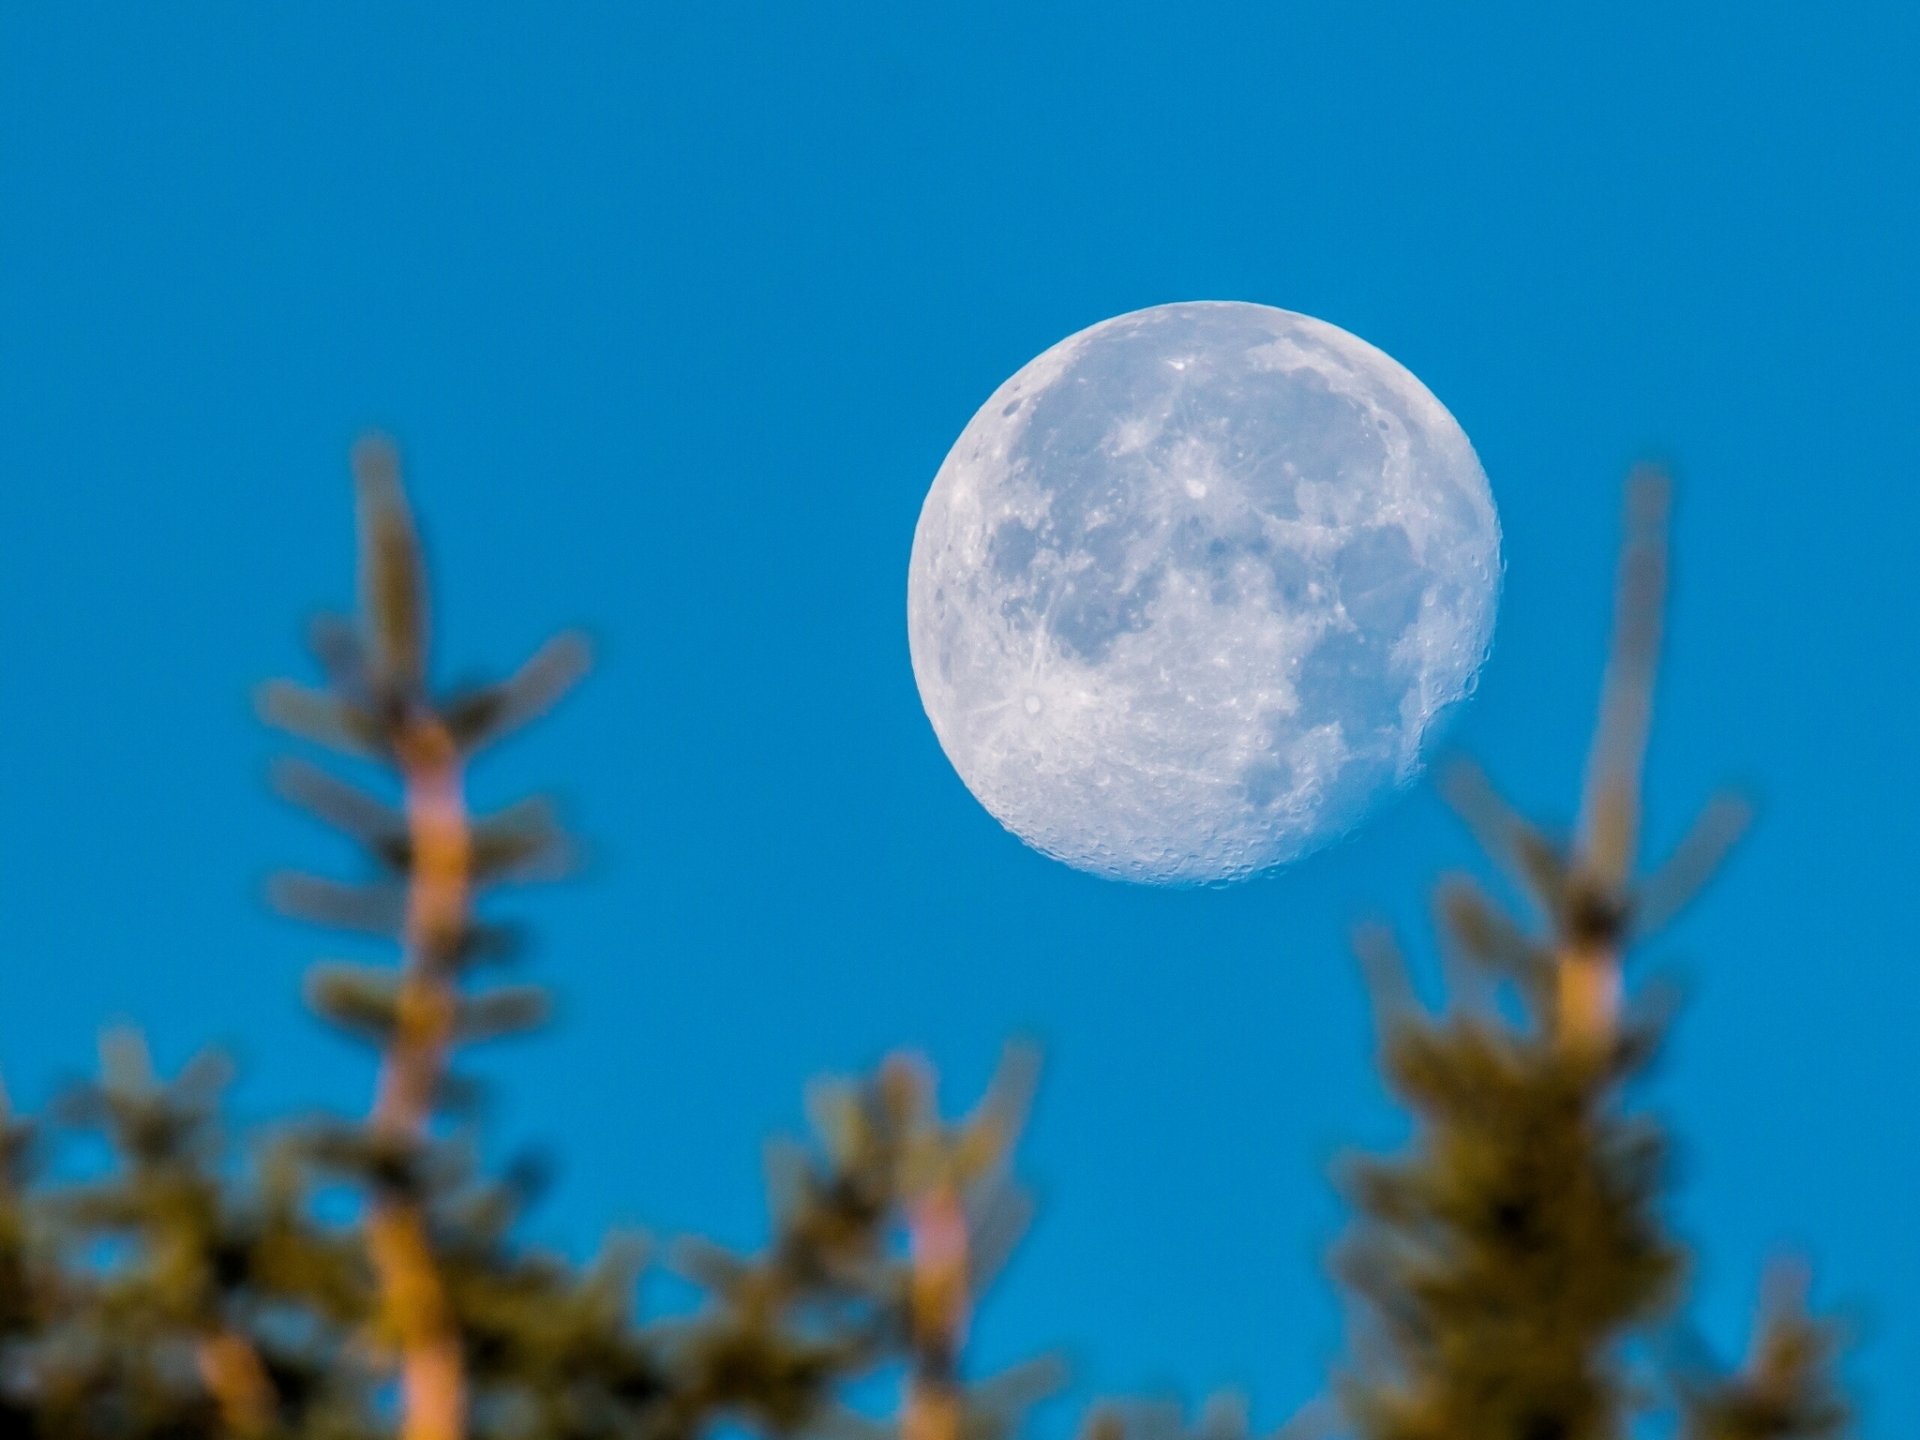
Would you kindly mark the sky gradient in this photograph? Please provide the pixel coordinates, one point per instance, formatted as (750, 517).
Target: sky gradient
(675, 315)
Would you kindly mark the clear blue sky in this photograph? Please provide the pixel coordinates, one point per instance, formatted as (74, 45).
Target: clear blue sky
(676, 314)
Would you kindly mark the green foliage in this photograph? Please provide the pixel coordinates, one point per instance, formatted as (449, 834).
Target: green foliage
(348, 1278)
(1506, 1254)
(1787, 1389)
(1510, 1257)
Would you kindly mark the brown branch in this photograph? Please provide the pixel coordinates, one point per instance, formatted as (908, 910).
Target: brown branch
(1588, 991)
(1596, 909)
(937, 1312)
(232, 1371)
(432, 1373)
(439, 899)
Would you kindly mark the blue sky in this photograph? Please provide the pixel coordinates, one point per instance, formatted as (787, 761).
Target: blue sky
(676, 314)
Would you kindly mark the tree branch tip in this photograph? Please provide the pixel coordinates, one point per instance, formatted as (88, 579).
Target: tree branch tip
(1649, 495)
(375, 458)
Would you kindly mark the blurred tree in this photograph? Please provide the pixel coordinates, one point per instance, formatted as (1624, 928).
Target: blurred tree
(1504, 1268)
(1507, 1259)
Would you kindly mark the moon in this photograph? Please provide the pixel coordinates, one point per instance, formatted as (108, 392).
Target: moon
(1196, 586)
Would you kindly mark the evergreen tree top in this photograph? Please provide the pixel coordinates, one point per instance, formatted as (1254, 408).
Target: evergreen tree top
(1513, 1272)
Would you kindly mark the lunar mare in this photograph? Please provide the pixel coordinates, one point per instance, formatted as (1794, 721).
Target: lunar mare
(1194, 587)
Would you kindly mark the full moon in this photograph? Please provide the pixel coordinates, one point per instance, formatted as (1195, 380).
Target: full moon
(1194, 588)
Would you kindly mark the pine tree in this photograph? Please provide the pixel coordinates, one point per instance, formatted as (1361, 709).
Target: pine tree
(1507, 1260)
(1514, 1270)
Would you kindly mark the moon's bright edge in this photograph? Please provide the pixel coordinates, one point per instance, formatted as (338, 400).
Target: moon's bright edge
(1192, 589)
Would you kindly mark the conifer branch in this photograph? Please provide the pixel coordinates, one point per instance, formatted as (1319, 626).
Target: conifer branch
(433, 1379)
(1504, 1260)
(1786, 1390)
(952, 1194)
(440, 856)
(939, 1302)
(438, 896)
(1594, 919)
